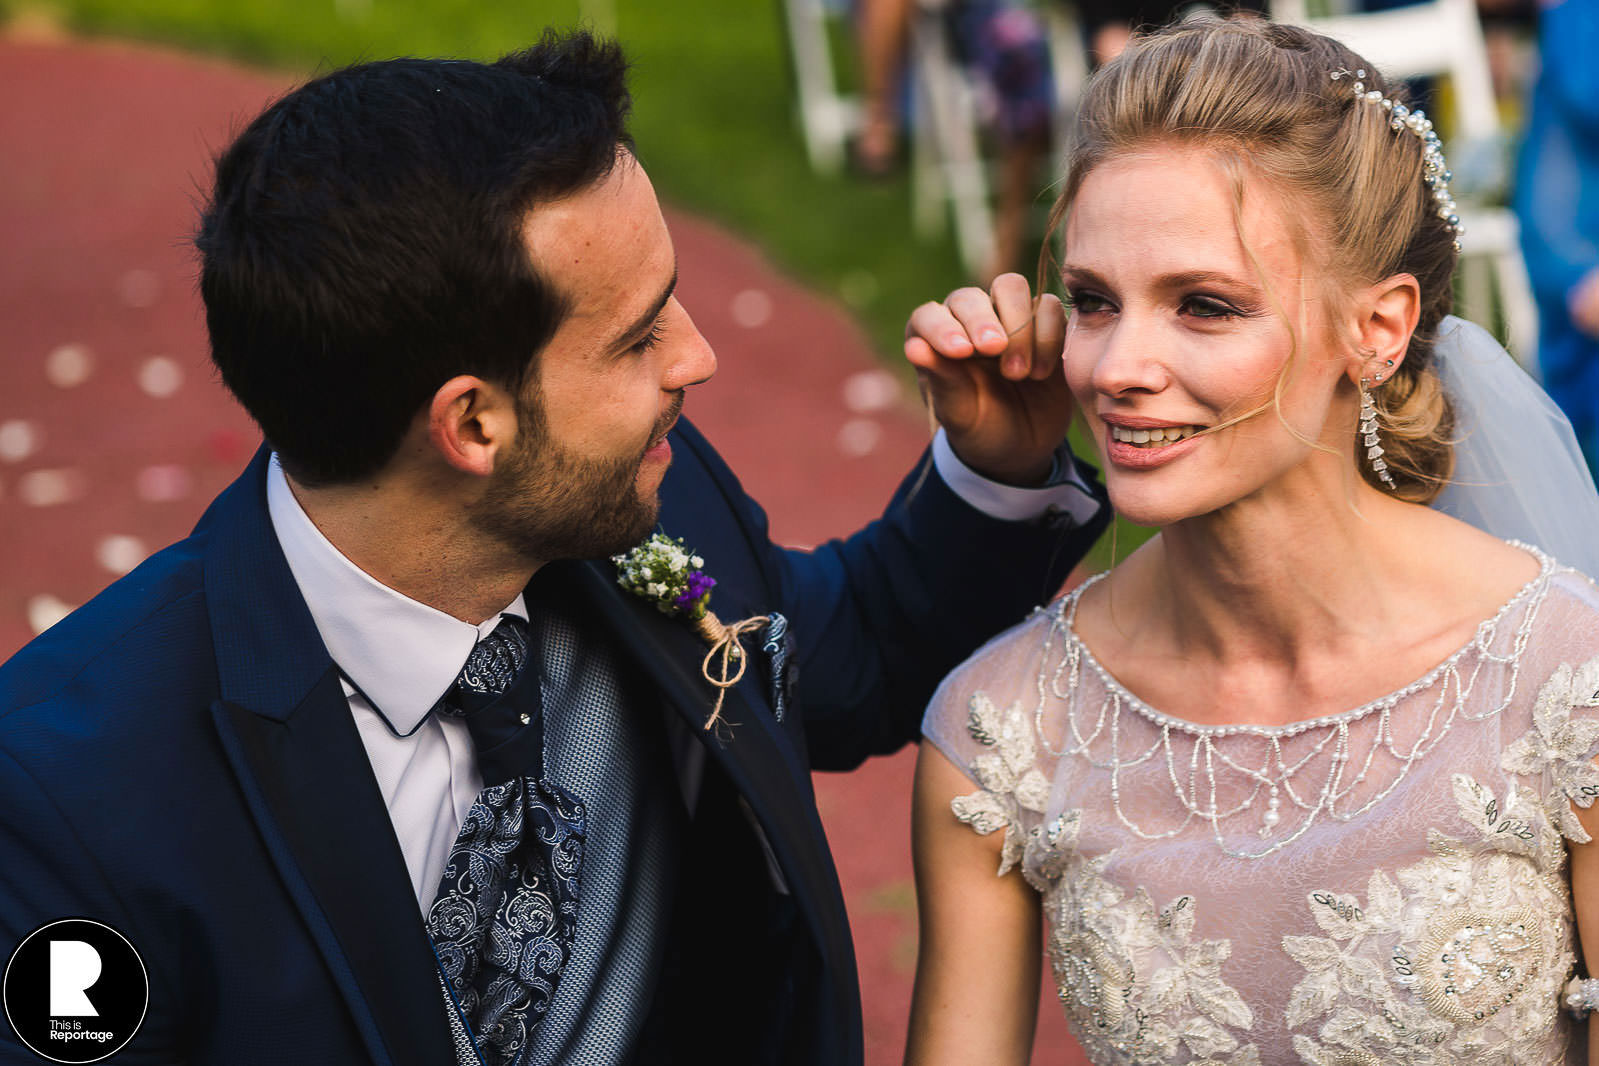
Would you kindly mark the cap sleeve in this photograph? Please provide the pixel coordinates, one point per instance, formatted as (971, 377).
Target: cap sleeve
(982, 722)
(1556, 749)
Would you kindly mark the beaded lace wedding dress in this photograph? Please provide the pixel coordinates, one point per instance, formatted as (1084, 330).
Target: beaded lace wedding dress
(1386, 885)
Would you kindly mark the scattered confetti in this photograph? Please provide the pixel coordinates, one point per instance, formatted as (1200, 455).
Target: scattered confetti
(859, 437)
(752, 308)
(69, 366)
(48, 488)
(869, 391)
(120, 553)
(45, 611)
(163, 483)
(19, 439)
(160, 376)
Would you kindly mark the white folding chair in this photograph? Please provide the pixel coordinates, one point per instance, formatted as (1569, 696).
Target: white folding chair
(827, 116)
(947, 164)
(1443, 38)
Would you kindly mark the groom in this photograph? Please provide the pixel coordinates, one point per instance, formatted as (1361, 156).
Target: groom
(374, 767)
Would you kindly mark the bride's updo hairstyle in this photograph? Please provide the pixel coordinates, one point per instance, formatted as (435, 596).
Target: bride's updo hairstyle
(1261, 98)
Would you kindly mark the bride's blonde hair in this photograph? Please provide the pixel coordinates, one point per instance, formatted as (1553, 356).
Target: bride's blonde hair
(1261, 99)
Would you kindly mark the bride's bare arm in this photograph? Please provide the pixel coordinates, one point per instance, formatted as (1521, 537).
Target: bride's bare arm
(1585, 902)
(977, 970)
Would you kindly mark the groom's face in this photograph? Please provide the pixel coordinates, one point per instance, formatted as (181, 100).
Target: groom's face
(584, 478)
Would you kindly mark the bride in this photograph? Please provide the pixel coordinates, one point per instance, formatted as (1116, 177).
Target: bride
(1307, 777)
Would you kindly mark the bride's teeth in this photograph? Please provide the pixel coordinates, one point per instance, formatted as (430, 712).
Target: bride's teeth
(1159, 435)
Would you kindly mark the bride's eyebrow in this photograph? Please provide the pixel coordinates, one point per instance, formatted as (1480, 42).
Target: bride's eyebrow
(1075, 275)
(1190, 278)
(1071, 274)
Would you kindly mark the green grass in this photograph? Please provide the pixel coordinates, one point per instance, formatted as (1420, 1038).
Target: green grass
(714, 114)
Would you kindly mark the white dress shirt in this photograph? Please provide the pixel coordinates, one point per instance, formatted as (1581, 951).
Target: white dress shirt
(398, 656)
(1067, 493)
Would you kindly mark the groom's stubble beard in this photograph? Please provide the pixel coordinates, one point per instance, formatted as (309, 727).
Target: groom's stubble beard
(547, 502)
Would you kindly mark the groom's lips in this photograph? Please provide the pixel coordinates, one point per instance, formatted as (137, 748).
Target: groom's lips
(659, 447)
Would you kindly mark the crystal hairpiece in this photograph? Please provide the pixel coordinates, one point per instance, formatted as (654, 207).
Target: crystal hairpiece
(1434, 171)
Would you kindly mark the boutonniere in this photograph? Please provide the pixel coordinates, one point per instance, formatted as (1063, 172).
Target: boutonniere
(672, 578)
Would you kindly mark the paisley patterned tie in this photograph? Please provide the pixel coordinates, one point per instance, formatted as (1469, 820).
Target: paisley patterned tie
(505, 915)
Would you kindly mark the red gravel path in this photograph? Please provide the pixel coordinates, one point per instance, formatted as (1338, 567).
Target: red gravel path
(114, 433)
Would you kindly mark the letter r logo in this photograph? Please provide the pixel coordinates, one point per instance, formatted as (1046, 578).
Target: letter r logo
(74, 968)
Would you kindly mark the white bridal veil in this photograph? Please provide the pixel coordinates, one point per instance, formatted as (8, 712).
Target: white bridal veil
(1519, 473)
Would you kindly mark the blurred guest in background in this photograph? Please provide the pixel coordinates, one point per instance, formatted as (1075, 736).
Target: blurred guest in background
(1557, 179)
(1003, 43)
(1109, 24)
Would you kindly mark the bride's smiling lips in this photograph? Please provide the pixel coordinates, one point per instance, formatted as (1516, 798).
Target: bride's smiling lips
(1139, 443)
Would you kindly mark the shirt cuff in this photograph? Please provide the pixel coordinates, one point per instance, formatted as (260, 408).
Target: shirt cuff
(1066, 496)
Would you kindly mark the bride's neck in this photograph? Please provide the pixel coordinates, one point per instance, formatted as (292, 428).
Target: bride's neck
(1279, 582)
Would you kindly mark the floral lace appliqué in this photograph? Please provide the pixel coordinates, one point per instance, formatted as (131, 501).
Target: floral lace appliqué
(1101, 941)
(1010, 779)
(1560, 748)
(1454, 961)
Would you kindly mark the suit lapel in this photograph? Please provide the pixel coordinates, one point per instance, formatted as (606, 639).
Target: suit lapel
(751, 752)
(285, 724)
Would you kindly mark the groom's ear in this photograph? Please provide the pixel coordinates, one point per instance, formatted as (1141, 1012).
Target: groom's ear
(1389, 312)
(472, 423)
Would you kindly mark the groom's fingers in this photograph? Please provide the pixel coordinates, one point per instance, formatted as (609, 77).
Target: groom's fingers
(1049, 337)
(974, 309)
(1012, 298)
(1003, 322)
(934, 328)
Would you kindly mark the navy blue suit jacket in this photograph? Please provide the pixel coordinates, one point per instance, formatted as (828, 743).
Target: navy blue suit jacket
(178, 760)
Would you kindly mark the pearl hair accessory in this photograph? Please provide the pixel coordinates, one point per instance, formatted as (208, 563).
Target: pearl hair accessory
(1434, 171)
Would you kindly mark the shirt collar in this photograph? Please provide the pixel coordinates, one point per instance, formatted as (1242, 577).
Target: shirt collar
(399, 652)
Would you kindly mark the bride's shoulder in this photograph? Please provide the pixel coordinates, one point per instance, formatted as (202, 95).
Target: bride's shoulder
(1553, 622)
(1572, 591)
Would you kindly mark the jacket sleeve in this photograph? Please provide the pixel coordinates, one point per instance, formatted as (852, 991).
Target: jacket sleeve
(881, 616)
(49, 874)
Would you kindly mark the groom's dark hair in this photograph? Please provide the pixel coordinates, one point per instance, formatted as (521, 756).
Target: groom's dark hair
(362, 244)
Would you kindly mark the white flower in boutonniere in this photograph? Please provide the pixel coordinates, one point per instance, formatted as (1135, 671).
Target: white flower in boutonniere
(668, 575)
(664, 572)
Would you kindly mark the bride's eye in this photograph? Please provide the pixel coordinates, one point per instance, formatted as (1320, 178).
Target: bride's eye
(1208, 307)
(1086, 302)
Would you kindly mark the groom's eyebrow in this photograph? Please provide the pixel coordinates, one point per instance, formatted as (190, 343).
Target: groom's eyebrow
(645, 322)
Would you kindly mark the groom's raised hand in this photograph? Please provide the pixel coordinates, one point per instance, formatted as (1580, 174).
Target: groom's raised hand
(990, 364)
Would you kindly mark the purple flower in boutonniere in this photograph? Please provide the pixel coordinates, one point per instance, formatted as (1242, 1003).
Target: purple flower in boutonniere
(667, 574)
(692, 600)
(664, 572)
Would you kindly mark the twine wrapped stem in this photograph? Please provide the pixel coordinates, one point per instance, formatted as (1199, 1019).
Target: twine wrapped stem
(727, 656)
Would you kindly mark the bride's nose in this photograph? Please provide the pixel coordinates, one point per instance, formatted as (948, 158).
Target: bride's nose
(1131, 358)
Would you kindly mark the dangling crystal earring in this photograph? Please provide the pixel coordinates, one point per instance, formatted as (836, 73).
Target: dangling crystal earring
(1368, 433)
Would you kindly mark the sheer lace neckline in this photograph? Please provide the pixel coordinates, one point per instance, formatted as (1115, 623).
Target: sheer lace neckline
(1066, 617)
